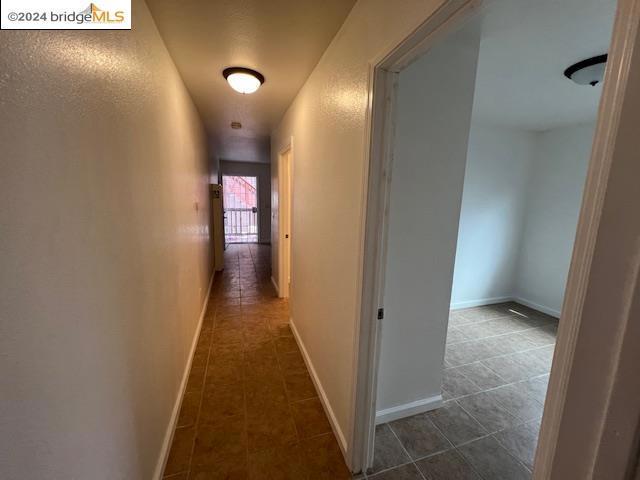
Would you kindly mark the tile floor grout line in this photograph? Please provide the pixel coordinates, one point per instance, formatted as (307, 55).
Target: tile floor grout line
(504, 335)
(471, 380)
(477, 472)
(384, 470)
(500, 317)
(509, 451)
(409, 456)
(488, 435)
(206, 367)
(244, 383)
(511, 384)
(520, 420)
(546, 322)
(500, 356)
(453, 446)
(540, 315)
(456, 448)
(455, 344)
(196, 424)
(244, 393)
(516, 382)
(286, 391)
(497, 315)
(461, 327)
(474, 417)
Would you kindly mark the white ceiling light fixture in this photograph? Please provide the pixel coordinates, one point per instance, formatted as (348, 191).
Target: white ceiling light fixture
(588, 72)
(243, 80)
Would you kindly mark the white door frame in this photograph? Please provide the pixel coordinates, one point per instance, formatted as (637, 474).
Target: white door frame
(379, 140)
(592, 409)
(383, 74)
(285, 211)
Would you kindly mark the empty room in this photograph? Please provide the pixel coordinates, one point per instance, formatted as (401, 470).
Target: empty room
(483, 208)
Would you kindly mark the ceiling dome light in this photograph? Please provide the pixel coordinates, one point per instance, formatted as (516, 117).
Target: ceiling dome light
(588, 72)
(243, 80)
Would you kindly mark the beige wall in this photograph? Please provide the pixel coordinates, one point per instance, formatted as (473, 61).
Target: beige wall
(104, 260)
(327, 121)
(214, 161)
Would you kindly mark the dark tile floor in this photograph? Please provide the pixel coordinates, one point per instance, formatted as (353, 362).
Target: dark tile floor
(497, 365)
(250, 410)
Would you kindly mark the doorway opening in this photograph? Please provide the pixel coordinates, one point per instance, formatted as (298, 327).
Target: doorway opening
(285, 203)
(240, 198)
(516, 156)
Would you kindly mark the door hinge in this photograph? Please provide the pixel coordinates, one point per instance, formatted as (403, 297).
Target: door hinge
(380, 313)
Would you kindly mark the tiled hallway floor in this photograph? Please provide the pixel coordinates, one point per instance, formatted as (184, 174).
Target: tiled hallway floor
(250, 410)
(497, 365)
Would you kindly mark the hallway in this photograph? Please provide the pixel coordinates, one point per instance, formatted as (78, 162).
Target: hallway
(398, 159)
(250, 410)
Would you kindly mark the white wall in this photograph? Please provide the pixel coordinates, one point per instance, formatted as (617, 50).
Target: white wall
(521, 200)
(492, 215)
(104, 259)
(553, 204)
(327, 121)
(263, 172)
(426, 189)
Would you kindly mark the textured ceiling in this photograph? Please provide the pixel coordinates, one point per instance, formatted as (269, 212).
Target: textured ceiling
(282, 39)
(526, 46)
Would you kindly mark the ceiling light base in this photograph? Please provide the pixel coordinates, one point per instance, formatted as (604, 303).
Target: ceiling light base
(243, 80)
(587, 72)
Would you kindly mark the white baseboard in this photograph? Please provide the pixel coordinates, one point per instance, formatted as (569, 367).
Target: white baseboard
(342, 441)
(511, 298)
(480, 302)
(168, 436)
(275, 285)
(537, 306)
(408, 409)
